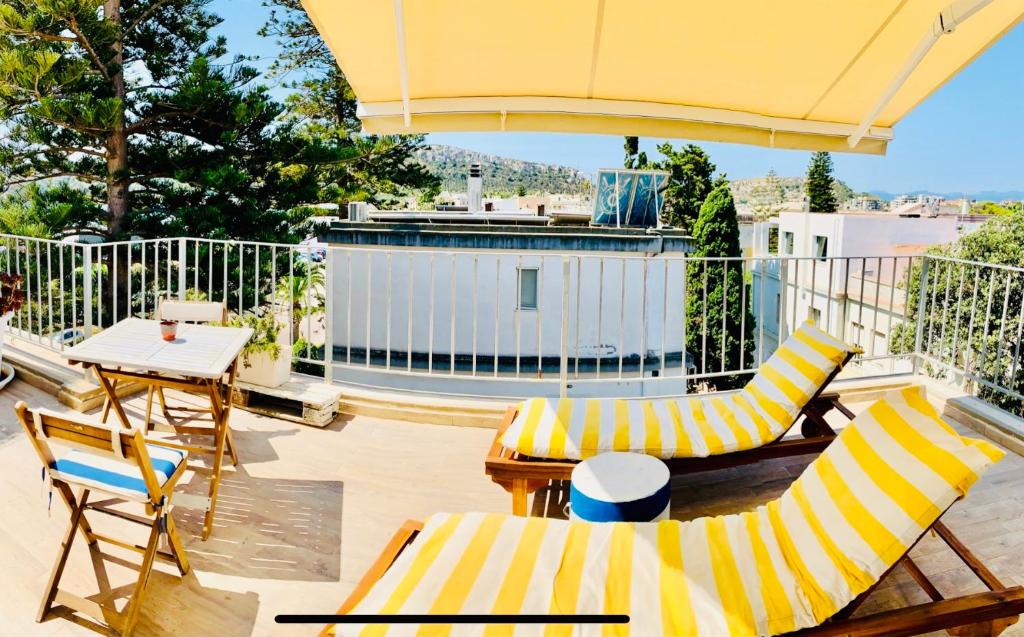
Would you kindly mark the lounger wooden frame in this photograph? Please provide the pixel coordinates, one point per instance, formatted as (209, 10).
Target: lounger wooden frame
(978, 615)
(93, 438)
(521, 475)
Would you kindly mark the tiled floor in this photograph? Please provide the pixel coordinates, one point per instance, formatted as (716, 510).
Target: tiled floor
(307, 510)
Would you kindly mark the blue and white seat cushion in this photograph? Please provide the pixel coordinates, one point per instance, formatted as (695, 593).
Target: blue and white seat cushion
(114, 476)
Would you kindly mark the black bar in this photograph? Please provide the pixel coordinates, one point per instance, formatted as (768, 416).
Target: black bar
(451, 619)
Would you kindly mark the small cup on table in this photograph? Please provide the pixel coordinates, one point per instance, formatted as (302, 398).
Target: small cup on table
(168, 330)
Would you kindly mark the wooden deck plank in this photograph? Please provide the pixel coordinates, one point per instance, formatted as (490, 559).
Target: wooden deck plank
(308, 510)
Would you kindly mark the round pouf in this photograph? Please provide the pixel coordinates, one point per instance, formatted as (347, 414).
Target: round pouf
(619, 486)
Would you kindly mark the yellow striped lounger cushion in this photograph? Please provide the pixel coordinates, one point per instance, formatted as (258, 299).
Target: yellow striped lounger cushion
(690, 426)
(784, 566)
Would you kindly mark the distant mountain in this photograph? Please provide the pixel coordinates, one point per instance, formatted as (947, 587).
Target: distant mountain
(981, 195)
(501, 175)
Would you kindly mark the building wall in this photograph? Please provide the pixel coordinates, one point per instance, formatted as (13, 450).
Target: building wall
(859, 267)
(624, 290)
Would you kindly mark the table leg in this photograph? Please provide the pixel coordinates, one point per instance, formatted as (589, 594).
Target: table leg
(106, 404)
(228, 401)
(220, 430)
(114, 401)
(149, 409)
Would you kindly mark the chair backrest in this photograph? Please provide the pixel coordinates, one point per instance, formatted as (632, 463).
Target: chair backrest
(795, 373)
(43, 426)
(192, 311)
(860, 506)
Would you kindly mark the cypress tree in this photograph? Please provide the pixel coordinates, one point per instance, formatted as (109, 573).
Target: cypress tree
(713, 339)
(819, 184)
(692, 178)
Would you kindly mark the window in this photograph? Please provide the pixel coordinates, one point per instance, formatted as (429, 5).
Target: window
(816, 316)
(773, 240)
(820, 247)
(527, 288)
(787, 243)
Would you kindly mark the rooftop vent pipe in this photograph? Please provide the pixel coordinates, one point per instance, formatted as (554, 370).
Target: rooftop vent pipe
(474, 188)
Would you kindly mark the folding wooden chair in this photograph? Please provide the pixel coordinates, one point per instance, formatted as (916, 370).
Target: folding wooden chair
(120, 464)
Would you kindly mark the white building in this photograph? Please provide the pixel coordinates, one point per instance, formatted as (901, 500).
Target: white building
(916, 204)
(474, 299)
(847, 271)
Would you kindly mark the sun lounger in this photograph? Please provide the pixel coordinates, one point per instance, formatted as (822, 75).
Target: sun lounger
(800, 564)
(122, 465)
(541, 439)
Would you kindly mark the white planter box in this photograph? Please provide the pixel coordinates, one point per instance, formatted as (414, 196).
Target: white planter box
(264, 370)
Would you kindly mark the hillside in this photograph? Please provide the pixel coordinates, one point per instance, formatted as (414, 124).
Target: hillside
(502, 175)
(505, 176)
(743, 190)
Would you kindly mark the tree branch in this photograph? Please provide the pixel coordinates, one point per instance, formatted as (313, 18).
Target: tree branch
(35, 178)
(145, 15)
(47, 37)
(88, 48)
(68, 149)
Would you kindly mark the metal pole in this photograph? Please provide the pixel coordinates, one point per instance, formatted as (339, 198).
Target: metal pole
(563, 361)
(182, 256)
(922, 293)
(329, 331)
(87, 288)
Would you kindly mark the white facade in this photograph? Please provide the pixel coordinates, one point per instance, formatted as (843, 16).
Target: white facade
(848, 272)
(474, 300)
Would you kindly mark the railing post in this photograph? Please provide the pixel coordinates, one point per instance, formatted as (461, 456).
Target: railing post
(329, 314)
(182, 262)
(87, 288)
(563, 361)
(922, 294)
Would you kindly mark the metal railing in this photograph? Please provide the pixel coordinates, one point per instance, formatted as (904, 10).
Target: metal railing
(456, 321)
(969, 324)
(491, 323)
(74, 290)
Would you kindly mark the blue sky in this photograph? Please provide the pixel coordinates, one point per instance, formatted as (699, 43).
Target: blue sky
(969, 136)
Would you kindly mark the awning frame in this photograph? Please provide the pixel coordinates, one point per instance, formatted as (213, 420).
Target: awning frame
(945, 23)
(503, 106)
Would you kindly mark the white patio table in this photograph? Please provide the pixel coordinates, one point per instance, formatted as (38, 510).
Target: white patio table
(202, 359)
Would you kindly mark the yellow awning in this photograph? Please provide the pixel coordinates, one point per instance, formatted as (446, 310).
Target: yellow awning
(804, 74)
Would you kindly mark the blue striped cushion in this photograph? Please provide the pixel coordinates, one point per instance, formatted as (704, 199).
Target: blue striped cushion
(114, 475)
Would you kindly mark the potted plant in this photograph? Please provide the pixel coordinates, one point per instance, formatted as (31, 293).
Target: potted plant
(265, 360)
(12, 297)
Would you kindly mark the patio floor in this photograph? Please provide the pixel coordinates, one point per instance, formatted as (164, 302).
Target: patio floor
(307, 510)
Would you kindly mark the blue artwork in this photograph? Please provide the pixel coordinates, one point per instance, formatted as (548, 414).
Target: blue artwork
(630, 198)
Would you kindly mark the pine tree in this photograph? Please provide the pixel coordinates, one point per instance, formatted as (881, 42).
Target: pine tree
(820, 184)
(716, 347)
(376, 168)
(692, 179)
(132, 100)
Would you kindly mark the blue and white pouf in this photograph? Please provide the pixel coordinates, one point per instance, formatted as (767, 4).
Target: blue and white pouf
(620, 486)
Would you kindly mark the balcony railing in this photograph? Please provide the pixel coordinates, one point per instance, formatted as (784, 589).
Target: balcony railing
(506, 324)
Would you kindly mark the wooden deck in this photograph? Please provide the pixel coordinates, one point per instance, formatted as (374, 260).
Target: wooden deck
(308, 509)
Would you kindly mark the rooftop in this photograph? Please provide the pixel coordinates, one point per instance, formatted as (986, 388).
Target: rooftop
(307, 510)
(475, 233)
